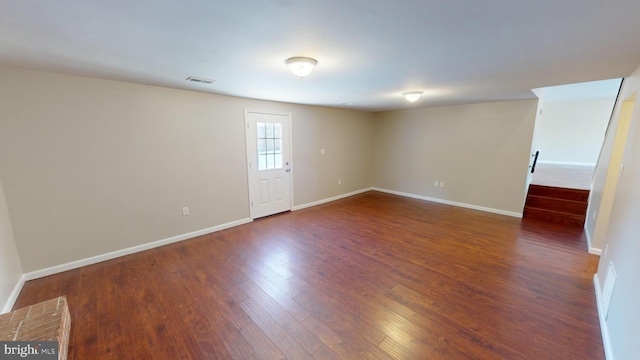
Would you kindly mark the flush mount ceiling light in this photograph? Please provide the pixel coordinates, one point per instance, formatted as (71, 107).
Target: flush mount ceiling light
(199, 80)
(301, 66)
(412, 96)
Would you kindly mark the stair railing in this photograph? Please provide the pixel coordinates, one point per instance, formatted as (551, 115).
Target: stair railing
(535, 160)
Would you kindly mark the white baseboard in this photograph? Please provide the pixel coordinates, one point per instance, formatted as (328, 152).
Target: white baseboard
(568, 163)
(334, 198)
(14, 295)
(595, 251)
(118, 253)
(454, 203)
(592, 250)
(606, 340)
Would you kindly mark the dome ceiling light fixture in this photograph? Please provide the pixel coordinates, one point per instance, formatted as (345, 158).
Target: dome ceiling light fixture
(301, 66)
(412, 96)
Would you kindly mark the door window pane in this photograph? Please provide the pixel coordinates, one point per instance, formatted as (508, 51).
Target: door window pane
(271, 163)
(269, 130)
(261, 131)
(269, 138)
(262, 162)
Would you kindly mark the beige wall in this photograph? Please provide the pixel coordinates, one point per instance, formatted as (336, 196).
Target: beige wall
(480, 152)
(622, 242)
(10, 267)
(346, 137)
(92, 166)
(606, 176)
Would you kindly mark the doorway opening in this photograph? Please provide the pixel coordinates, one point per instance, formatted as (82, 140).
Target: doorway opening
(569, 133)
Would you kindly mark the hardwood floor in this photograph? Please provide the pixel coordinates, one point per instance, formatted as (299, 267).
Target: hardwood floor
(373, 276)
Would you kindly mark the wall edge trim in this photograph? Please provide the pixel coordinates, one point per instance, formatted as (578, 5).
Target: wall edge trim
(449, 202)
(127, 251)
(330, 199)
(14, 295)
(595, 251)
(568, 163)
(591, 249)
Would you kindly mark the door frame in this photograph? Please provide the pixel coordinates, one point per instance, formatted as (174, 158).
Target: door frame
(248, 155)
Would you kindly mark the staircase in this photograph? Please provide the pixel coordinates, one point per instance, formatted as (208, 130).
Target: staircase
(557, 205)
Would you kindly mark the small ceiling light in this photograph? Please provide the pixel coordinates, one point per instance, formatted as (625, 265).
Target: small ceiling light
(412, 96)
(301, 66)
(200, 80)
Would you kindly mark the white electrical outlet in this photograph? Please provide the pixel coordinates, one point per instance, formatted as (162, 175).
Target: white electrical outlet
(339, 181)
(185, 211)
(441, 183)
(435, 183)
(323, 151)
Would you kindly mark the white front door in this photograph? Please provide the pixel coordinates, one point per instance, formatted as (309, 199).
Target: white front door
(268, 162)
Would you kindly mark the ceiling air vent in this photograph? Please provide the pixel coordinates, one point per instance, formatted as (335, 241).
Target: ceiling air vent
(199, 80)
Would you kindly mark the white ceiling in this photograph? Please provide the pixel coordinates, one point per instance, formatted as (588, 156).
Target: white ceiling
(368, 51)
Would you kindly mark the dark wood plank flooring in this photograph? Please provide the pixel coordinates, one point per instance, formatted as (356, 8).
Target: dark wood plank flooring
(373, 276)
